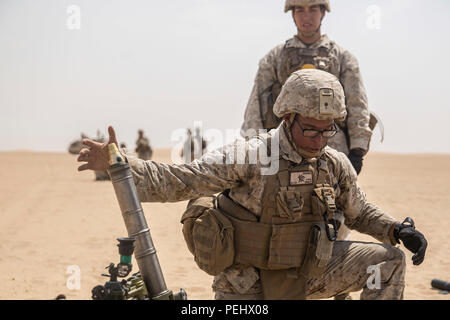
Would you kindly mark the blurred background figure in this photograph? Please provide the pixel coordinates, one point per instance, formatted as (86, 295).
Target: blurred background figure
(143, 149)
(187, 153)
(76, 146)
(194, 146)
(199, 141)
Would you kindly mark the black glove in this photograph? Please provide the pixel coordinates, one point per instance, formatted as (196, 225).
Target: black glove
(412, 239)
(356, 158)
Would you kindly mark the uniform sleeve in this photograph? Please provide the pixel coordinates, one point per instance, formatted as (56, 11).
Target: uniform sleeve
(159, 182)
(356, 100)
(266, 77)
(360, 214)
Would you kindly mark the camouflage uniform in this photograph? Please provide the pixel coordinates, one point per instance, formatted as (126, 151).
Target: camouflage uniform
(280, 62)
(346, 271)
(143, 149)
(278, 65)
(313, 94)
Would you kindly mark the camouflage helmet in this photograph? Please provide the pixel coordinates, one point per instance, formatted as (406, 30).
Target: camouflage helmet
(290, 4)
(312, 93)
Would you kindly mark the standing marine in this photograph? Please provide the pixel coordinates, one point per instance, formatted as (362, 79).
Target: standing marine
(272, 234)
(309, 48)
(143, 149)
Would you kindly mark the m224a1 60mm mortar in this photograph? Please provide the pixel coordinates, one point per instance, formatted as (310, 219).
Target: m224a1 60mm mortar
(148, 283)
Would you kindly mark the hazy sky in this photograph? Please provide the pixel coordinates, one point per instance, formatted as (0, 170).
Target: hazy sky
(163, 65)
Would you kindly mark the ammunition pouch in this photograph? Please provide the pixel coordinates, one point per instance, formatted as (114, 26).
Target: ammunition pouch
(291, 284)
(223, 233)
(209, 235)
(318, 253)
(271, 246)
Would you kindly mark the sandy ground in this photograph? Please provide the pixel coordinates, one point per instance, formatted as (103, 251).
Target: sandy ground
(53, 217)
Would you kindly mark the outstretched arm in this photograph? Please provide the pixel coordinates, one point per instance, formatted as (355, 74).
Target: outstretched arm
(158, 182)
(360, 214)
(367, 218)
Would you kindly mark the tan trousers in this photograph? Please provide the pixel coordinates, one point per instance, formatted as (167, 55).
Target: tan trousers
(376, 269)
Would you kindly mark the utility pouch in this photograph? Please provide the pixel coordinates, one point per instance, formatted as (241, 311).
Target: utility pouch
(290, 204)
(323, 202)
(194, 210)
(318, 253)
(209, 235)
(270, 120)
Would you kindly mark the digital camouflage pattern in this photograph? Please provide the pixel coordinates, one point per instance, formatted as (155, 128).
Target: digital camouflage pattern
(300, 94)
(283, 60)
(346, 272)
(290, 4)
(217, 171)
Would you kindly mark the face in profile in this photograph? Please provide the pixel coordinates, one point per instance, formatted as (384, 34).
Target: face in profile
(310, 134)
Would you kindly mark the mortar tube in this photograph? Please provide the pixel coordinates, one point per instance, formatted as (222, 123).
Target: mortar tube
(136, 224)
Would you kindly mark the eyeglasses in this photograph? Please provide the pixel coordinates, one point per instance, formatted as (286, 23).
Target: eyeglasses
(311, 133)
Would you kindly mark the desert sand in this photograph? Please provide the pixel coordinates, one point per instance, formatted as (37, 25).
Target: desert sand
(53, 217)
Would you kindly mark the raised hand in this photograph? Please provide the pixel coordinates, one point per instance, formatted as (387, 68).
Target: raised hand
(96, 154)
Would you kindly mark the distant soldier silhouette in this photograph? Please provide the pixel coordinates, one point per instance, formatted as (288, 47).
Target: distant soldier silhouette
(200, 141)
(143, 149)
(194, 147)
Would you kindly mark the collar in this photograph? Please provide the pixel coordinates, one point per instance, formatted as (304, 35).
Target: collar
(295, 42)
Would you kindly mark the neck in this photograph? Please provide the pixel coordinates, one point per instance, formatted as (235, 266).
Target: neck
(309, 39)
